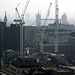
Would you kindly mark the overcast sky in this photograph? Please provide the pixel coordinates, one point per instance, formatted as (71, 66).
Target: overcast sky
(67, 6)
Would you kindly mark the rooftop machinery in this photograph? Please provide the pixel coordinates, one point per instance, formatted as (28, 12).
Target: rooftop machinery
(56, 25)
(21, 22)
(42, 35)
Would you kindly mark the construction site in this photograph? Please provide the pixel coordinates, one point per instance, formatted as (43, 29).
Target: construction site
(46, 49)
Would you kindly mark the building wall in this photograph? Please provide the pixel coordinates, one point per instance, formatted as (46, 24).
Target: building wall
(72, 42)
(12, 37)
(29, 38)
(62, 48)
(63, 39)
(7, 38)
(2, 27)
(15, 37)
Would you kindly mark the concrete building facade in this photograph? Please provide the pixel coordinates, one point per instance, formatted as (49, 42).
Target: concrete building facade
(63, 40)
(72, 43)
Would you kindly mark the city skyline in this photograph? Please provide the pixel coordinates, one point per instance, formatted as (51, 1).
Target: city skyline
(35, 5)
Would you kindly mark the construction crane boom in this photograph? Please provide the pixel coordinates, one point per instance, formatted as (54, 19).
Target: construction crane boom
(42, 35)
(18, 13)
(47, 13)
(24, 11)
(21, 17)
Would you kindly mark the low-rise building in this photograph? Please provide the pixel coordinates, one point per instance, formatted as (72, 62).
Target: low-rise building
(60, 71)
(16, 64)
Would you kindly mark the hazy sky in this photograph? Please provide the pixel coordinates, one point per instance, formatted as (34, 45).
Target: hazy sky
(67, 6)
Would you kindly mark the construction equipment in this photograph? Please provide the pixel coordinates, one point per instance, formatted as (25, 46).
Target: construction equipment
(56, 26)
(21, 17)
(42, 35)
(47, 14)
(21, 22)
(17, 20)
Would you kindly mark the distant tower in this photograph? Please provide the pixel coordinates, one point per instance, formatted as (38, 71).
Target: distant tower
(27, 22)
(64, 19)
(5, 18)
(38, 20)
(27, 17)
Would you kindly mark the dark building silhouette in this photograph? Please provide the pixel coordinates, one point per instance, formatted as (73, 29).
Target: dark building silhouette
(12, 37)
(72, 42)
(7, 38)
(2, 27)
(15, 37)
(18, 65)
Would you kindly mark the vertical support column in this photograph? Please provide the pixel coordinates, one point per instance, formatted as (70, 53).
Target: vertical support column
(56, 26)
(21, 39)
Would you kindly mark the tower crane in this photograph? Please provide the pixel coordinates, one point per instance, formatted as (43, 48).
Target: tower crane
(42, 35)
(21, 22)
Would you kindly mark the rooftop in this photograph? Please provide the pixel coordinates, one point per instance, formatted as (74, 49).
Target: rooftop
(60, 69)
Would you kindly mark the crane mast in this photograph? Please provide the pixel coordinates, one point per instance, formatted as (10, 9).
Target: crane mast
(42, 35)
(56, 25)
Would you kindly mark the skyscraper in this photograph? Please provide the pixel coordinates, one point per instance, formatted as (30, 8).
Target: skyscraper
(64, 19)
(27, 16)
(38, 20)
